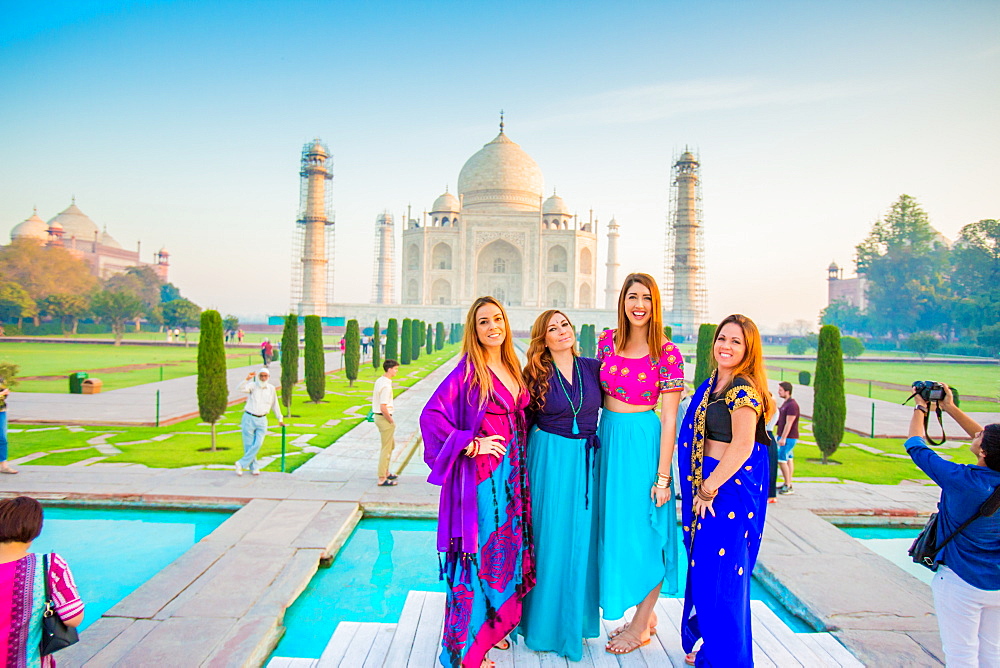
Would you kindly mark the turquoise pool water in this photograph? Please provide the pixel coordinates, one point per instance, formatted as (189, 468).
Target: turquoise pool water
(382, 561)
(113, 551)
(891, 543)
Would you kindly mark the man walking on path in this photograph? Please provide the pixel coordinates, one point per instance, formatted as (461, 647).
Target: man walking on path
(266, 350)
(261, 399)
(788, 435)
(382, 408)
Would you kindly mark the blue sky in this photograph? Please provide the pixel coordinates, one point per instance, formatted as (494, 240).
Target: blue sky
(180, 124)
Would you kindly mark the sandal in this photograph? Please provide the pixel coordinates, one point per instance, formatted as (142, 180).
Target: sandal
(633, 645)
(617, 632)
(387, 483)
(391, 476)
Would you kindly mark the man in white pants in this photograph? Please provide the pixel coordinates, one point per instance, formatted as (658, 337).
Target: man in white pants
(261, 399)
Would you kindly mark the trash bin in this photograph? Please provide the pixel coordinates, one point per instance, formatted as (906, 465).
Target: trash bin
(92, 385)
(76, 382)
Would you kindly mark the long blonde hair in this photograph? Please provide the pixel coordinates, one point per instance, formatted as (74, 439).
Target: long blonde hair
(478, 373)
(538, 368)
(654, 335)
(751, 366)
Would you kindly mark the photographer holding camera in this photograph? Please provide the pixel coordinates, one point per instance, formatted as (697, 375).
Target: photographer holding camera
(967, 584)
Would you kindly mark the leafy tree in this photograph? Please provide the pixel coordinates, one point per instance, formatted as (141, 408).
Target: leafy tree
(906, 265)
(8, 373)
(429, 338)
(352, 354)
(116, 308)
(45, 270)
(181, 313)
(405, 342)
(68, 309)
(377, 346)
(829, 402)
(169, 292)
(315, 359)
(976, 274)
(922, 343)
(15, 302)
(847, 317)
(231, 323)
(797, 346)
(289, 360)
(703, 363)
(439, 336)
(392, 340)
(852, 346)
(990, 337)
(213, 391)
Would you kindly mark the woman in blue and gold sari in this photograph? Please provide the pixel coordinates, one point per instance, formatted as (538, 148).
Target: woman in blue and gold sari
(722, 456)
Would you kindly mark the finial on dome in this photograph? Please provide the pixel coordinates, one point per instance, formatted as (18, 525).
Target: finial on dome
(501, 121)
(73, 198)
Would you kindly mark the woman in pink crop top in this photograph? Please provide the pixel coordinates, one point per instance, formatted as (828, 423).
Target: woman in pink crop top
(637, 519)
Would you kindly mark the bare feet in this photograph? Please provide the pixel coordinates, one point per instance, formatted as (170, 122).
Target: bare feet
(503, 644)
(689, 659)
(627, 641)
(6, 468)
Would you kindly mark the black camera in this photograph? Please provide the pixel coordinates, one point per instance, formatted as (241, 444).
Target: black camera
(929, 390)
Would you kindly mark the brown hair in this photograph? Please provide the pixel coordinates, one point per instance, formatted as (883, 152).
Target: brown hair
(537, 370)
(786, 386)
(20, 520)
(654, 335)
(751, 367)
(478, 374)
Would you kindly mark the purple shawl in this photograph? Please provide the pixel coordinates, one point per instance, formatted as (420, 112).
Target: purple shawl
(448, 423)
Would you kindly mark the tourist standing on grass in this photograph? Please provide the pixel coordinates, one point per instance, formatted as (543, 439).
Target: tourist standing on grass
(474, 435)
(637, 516)
(787, 435)
(966, 586)
(722, 454)
(563, 608)
(261, 400)
(386, 423)
(4, 393)
(23, 577)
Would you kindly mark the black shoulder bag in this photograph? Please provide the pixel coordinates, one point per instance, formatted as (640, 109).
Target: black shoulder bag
(925, 549)
(55, 634)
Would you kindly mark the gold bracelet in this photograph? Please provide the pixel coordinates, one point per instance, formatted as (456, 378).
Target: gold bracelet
(705, 495)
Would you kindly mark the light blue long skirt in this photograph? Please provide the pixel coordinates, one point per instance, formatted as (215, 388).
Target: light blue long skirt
(637, 542)
(562, 609)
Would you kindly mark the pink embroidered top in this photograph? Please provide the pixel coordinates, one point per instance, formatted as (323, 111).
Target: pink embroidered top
(639, 380)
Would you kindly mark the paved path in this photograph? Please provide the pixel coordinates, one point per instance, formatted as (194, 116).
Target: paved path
(178, 400)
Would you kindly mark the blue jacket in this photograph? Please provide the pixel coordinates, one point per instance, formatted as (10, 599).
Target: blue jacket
(974, 554)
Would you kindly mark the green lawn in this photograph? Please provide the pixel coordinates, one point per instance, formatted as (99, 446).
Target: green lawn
(184, 443)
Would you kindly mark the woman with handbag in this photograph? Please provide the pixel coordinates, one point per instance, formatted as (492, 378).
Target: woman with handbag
(967, 584)
(31, 585)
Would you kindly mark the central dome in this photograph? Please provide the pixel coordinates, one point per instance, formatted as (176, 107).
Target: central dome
(501, 175)
(77, 223)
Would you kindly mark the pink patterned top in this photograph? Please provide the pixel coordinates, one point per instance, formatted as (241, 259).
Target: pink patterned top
(639, 381)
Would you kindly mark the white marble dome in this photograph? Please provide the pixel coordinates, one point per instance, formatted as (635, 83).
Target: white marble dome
(76, 223)
(556, 205)
(107, 240)
(501, 175)
(34, 228)
(446, 203)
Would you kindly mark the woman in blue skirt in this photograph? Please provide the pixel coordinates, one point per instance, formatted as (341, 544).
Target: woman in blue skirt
(562, 609)
(637, 517)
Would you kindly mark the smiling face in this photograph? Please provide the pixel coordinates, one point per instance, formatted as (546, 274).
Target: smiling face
(491, 330)
(559, 334)
(638, 304)
(730, 347)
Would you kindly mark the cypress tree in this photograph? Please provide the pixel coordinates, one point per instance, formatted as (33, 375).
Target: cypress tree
(213, 393)
(430, 339)
(703, 365)
(315, 359)
(439, 336)
(392, 340)
(352, 353)
(829, 402)
(405, 345)
(289, 360)
(668, 332)
(416, 336)
(377, 346)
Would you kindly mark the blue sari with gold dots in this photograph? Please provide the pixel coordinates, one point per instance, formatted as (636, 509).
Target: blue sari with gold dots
(721, 549)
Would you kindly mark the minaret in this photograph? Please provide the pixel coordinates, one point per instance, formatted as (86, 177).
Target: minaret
(314, 218)
(612, 288)
(383, 286)
(686, 247)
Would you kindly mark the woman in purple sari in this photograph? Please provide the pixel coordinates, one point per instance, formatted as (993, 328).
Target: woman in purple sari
(474, 435)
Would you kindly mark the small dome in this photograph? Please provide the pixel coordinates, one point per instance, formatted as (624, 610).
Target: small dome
(446, 203)
(163, 251)
(687, 156)
(833, 267)
(556, 205)
(107, 240)
(34, 228)
(54, 225)
(77, 223)
(317, 148)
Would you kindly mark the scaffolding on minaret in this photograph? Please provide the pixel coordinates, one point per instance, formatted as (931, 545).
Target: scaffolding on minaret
(313, 240)
(383, 284)
(685, 294)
